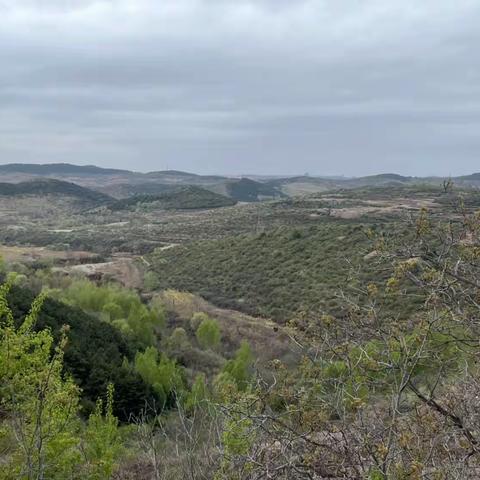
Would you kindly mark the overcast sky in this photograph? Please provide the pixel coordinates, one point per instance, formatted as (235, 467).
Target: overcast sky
(235, 86)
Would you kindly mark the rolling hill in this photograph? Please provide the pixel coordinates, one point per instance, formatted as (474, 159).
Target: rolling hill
(246, 190)
(45, 187)
(58, 169)
(183, 198)
(123, 183)
(278, 274)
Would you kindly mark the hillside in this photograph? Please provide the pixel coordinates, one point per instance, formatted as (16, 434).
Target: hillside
(186, 198)
(276, 274)
(94, 354)
(246, 190)
(43, 187)
(379, 180)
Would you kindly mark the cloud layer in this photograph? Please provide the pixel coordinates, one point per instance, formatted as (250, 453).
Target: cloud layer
(234, 86)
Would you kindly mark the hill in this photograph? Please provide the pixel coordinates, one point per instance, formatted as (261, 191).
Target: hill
(186, 198)
(378, 180)
(247, 190)
(44, 187)
(123, 183)
(277, 274)
(58, 169)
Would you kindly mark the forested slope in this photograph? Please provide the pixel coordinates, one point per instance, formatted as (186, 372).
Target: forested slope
(94, 353)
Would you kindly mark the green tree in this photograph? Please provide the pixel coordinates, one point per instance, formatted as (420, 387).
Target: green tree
(40, 404)
(151, 281)
(197, 319)
(239, 368)
(208, 334)
(198, 393)
(163, 374)
(102, 440)
(119, 306)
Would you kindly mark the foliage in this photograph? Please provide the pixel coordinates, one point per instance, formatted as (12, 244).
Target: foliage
(150, 281)
(208, 334)
(93, 354)
(40, 403)
(197, 319)
(118, 306)
(198, 394)
(237, 371)
(162, 373)
(102, 440)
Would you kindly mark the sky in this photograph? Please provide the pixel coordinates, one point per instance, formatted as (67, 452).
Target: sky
(328, 87)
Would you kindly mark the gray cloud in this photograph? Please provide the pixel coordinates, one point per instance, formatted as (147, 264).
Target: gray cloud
(230, 86)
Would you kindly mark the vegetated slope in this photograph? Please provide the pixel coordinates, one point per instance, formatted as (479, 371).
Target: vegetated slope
(42, 187)
(94, 353)
(186, 198)
(473, 176)
(306, 184)
(276, 274)
(246, 190)
(130, 189)
(378, 180)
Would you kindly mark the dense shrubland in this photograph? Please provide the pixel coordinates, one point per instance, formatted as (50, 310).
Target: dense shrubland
(279, 273)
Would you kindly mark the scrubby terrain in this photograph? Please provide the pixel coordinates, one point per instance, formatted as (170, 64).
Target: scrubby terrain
(216, 328)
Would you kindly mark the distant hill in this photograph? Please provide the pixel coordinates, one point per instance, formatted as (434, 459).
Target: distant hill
(473, 179)
(247, 190)
(304, 185)
(183, 198)
(58, 169)
(42, 187)
(379, 179)
(123, 183)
